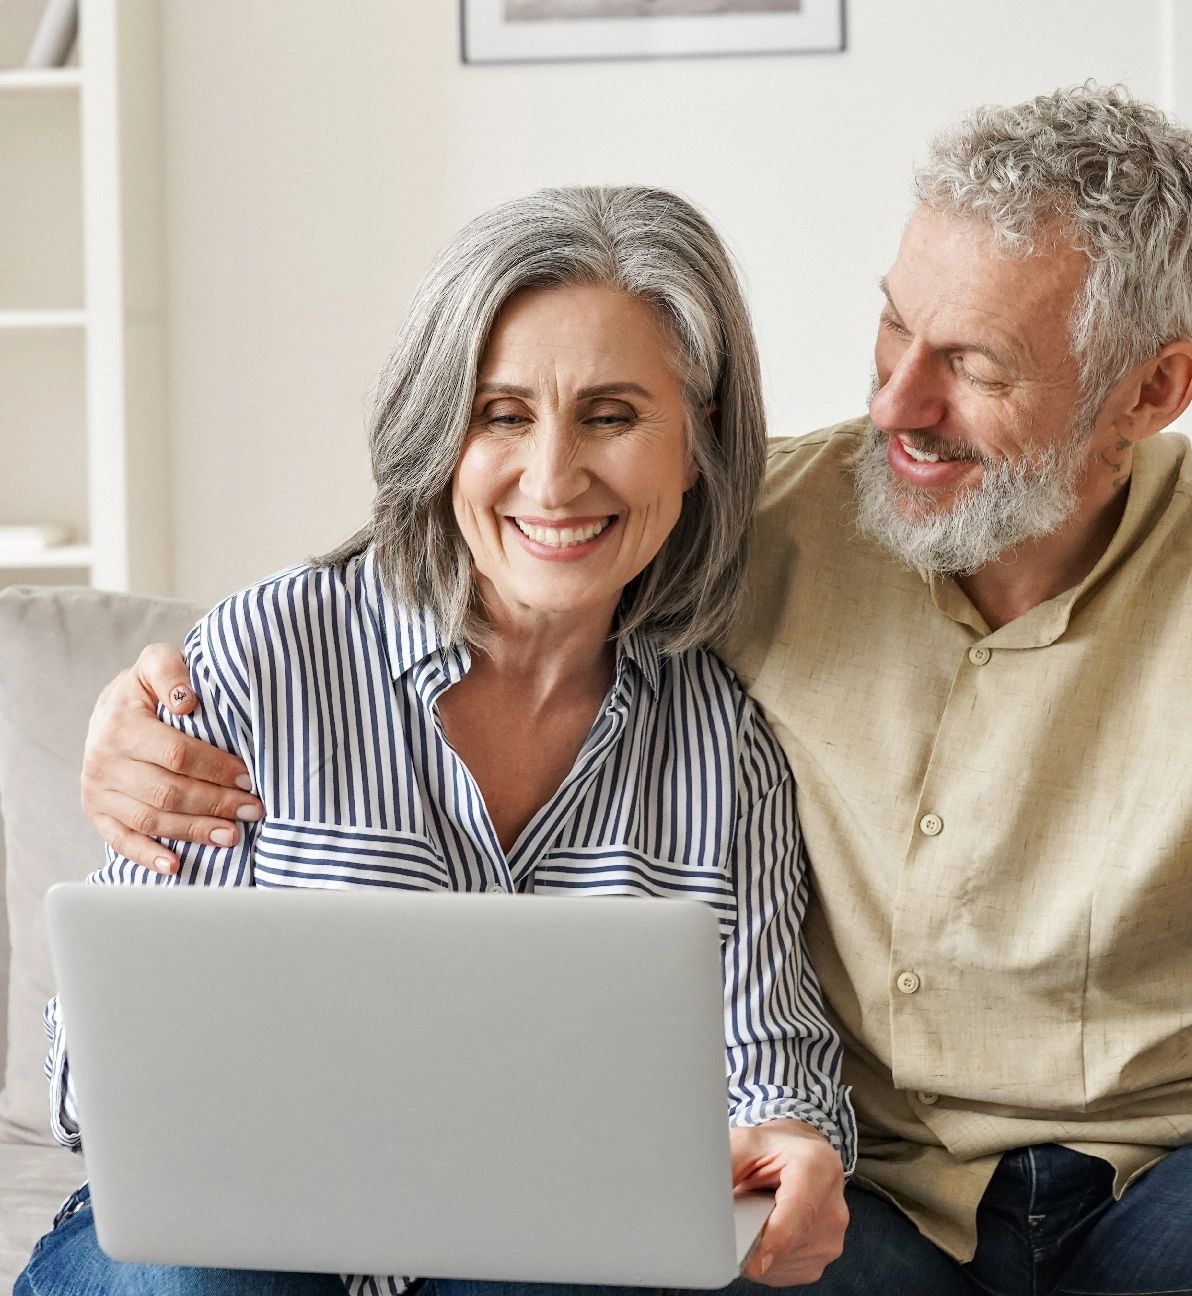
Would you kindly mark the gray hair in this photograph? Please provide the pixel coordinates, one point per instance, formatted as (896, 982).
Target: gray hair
(1118, 174)
(646, 242)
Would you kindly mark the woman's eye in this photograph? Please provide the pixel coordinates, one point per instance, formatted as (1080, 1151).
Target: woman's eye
(610, 420)
(502, 419)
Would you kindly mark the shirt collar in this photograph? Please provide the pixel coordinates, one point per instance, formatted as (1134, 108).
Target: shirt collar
(411, 635)
(1157, 463)
(642, 650)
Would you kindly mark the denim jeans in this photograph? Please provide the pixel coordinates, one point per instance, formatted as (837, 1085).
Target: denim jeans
(68, 1262)
(1047, 1226)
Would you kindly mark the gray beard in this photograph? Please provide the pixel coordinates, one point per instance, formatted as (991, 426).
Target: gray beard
(1012, 504)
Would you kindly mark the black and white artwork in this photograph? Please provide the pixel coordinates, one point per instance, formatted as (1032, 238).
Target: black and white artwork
(530, 31)
(545, 10)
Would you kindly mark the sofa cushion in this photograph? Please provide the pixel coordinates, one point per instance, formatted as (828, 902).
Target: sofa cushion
(3, 958)
(34, 1182)
(59, 646)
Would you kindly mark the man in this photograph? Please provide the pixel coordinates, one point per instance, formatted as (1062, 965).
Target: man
(968, 624)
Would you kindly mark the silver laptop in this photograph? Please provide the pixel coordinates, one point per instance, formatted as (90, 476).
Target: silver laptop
(459, 1086)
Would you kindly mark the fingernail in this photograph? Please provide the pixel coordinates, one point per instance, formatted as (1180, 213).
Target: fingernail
(244, 783)
(249, 813)
(163, 864)
(223, 836)
(179, 696)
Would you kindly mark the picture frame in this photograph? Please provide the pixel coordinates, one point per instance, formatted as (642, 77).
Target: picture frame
(549, 31)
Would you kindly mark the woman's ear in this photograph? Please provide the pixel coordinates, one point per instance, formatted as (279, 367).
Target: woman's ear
(693, 472)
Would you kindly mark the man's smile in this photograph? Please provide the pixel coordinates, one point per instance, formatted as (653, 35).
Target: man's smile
(939, 465)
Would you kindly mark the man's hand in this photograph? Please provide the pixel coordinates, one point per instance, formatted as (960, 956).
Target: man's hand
(142, 779)
(805, 1231)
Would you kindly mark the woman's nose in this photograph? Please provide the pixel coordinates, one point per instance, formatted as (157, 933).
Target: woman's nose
(911, 396)
(553, 475)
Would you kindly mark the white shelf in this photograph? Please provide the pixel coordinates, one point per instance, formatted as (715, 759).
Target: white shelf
(59, 556)
(42, 319)
(16, 80)
(121, 321)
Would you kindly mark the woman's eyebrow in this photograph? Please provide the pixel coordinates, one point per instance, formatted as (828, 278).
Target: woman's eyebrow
(613, 389)
(600, 389)
(503, 389)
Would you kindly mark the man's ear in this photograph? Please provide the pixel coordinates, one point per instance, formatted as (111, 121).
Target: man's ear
(1156, 393)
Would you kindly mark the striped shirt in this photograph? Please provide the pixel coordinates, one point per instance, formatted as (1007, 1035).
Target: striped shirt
(327, 690)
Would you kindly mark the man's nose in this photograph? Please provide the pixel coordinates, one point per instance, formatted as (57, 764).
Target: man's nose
(912, 396)
(552, 474)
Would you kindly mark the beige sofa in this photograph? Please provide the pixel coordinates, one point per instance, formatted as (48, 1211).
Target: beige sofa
(58, 647)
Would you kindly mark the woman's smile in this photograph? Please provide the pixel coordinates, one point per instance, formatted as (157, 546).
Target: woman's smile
(562, 539)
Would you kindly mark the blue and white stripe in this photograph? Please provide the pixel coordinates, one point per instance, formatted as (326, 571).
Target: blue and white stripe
(328, 692)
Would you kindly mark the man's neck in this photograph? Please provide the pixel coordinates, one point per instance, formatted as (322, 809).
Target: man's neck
(1039, 570)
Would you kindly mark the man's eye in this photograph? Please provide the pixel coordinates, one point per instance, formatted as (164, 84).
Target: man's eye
(983, 384)
(893, 326)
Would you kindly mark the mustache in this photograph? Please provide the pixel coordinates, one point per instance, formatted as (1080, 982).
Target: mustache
(928, 442)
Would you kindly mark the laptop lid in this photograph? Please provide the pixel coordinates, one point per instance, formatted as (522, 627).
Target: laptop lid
(466, 1085)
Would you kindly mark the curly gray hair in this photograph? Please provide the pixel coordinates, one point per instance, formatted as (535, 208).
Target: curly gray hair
(1118, 174)
(649, 243)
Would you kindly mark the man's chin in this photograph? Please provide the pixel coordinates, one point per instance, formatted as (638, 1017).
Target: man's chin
(955, 530)
(922, 505)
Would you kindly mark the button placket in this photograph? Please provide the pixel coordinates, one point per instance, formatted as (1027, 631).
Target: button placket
(928, 888)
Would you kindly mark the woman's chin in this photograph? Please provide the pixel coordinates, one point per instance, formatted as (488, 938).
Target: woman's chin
(573, 599)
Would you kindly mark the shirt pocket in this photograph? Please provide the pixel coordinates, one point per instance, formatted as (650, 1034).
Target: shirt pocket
(620, 871)
(299, 853)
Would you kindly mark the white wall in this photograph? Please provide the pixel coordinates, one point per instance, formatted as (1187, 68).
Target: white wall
(318, 154)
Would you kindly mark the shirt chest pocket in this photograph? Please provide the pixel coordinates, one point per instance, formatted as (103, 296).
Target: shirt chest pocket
(299, 853)
(619, 871)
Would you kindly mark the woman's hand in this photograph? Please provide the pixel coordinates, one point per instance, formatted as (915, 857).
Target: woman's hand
(142, 779)
(805, 1231)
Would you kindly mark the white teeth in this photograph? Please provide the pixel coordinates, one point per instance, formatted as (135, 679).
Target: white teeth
(919, 456)
(564, 538)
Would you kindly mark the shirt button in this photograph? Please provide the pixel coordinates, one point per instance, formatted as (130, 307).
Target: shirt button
(930, 825)
(979, 654)
(907, 982)
(928, 1098)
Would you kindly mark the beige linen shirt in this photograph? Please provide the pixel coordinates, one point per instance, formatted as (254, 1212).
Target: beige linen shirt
(1000, 832)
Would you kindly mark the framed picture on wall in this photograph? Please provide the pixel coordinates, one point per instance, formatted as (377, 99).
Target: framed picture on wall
(536, 31)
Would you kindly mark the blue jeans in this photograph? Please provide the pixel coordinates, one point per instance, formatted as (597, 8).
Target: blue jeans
(68, 1262)
(1047, 1226)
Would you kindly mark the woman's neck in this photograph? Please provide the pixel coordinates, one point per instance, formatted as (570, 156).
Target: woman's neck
(520, 716)
(543, 654)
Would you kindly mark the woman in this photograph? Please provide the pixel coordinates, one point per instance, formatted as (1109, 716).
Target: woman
(498, 685)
